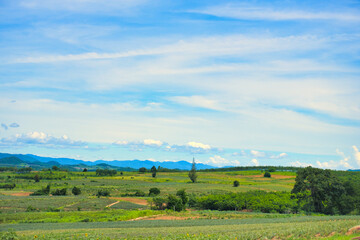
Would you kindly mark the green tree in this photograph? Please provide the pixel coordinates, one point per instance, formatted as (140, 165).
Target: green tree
(267, 174)
(236, 183)
(154, 191)
(325, 190)
(142, 170)
(37, 178)
(183, 196)
(76, 191)
(153, 171)
(192, 173)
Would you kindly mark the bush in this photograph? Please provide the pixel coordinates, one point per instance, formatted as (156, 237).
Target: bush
(31, 209)
(174, 203)
(267, 174)
(43, 191)
(154, 191)
(183, 196)
(8, 186)
(76, 191)
(139, 193)
(9, 235)
(103, 193)
(160, 203)
(142, 170)
(236, 183)
(59, 192)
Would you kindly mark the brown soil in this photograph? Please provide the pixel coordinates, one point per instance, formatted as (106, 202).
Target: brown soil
(133, 200)
(331, 234)
(112, 204)
(353, 230)
(21, 194)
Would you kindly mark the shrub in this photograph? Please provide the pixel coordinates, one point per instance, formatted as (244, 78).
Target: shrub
(142, 170)
(154, 191)
(9, 235)
(267, 174)
(236, 183)
(103, 193)
(183, 196)
(76, 191)
(139, 193)
(43, 191)
(8, 186)
(37, 178)
(160, 203)
(59, 192)
(174, 203)
(31, 209)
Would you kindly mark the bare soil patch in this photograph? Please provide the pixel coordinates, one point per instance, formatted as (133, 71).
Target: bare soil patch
(132, 200)
(21, 194)
(353, 230)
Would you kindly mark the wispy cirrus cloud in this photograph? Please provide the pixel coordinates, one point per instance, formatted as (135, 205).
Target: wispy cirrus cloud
(277, 14)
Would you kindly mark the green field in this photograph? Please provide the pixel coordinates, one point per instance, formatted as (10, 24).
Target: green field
(88, 217)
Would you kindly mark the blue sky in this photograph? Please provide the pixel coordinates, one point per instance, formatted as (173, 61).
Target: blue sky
(229, 82)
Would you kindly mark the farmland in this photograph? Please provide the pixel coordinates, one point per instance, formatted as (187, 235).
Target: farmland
(125, 214)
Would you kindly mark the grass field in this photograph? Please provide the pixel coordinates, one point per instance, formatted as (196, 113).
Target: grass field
(88, 217)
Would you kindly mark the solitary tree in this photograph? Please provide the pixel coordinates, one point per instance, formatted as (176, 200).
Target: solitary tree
(267, 174)
(236, 183)
(37, 178)
(192, 173)
(153, 171)
(142, 170)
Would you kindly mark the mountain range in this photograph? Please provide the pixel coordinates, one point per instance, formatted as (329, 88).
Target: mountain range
(38, 162)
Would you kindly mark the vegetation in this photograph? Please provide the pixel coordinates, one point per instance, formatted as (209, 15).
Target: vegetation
(192, 173)
(267, 174)
(257, 208)
(236, 183)
(153, 171)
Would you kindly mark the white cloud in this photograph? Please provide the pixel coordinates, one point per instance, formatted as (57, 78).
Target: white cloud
(121, 142)
(281, 155)
(199, 145)
(197, 101)
(300, 164)
(40, 138)
(258, 154)
(261, 13)
(356, 155)
(255, 162)
(219, 161)
(152, 142)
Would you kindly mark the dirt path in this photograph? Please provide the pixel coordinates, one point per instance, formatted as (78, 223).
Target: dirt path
(112, 204)
(133, 200)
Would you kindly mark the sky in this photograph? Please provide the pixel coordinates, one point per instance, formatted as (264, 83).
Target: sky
(231, 83)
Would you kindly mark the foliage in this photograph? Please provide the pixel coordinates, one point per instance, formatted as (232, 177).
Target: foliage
(9, 186)
(267, 174)
(327, 193)
(266, 202)
(154, 191)
(236, 183)
(153, 171)
(142, 170)
(139, 193)
(43, 191)
(37, 178)
(183, 196)
(59, 192)
(76, 191)
(105, 172)
(8, 235)
(103, 193)
(192, 173)
(175, 203)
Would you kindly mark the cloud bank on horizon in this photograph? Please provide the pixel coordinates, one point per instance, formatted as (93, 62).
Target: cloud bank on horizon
(233, 83)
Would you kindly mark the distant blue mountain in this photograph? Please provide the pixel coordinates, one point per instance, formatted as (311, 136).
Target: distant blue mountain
(135, 164)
